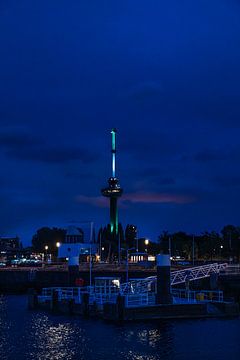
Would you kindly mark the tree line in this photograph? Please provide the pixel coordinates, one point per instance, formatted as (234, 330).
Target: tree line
(208, 245)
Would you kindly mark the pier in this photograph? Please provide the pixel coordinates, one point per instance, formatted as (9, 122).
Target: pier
(141, 299)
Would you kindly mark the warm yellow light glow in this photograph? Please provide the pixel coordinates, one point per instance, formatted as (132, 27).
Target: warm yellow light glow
(46, 247)
(97, 257)
(151, 258)
(146, 242)
(58, 244)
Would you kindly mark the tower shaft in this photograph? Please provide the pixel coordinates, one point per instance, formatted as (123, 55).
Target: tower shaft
(114, 216)
(113, 191)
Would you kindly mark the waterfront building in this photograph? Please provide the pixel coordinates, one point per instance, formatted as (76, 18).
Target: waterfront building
(77, 244)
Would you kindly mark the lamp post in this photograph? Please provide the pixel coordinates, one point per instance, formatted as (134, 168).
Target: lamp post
(46, 249)
(193, 249)
(58, 244)
(100, 245)
(127, 251)
(221, 247)
(90, 267)
(146, 242)
(101, 249)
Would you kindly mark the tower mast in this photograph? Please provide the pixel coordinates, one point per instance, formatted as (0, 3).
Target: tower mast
(113, 191)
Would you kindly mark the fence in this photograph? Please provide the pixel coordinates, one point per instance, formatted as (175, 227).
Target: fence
(183, 296)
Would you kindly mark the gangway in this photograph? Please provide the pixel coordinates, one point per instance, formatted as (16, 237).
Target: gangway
(177, 277)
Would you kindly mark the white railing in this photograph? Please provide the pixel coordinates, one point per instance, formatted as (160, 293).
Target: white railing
(177, 277)
(138, 300)
(231, 270)
(64, 293)
(75, 293)
(195, 273)
(183, 296)
(179, 296)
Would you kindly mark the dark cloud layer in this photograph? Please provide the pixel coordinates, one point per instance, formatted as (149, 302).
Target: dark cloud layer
(22, 146)
(166, 74)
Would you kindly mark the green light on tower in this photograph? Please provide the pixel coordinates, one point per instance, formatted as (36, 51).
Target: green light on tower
(113, 132)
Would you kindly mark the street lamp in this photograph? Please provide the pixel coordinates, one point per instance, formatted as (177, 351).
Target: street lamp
(46, 249)
(58, 244)
(90, 267)
(221, 247)
(127, 251)
(146, 242)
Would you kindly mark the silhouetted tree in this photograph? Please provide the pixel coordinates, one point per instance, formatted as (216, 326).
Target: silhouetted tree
(47, 236)
(231, 240)
(131, 236)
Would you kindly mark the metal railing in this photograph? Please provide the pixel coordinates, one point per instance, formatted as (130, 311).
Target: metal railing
(139, 300)
(64, 293)
(195, 273)
(231, 270)
(177, 277)
(75, 293)
(190, 296)
(179, 296)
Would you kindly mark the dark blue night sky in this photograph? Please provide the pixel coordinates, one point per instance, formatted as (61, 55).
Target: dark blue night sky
(166, 74)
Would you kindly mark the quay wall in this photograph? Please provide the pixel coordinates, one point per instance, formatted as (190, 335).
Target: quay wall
(19, 281)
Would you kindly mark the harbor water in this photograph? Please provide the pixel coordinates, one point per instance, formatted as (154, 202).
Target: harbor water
(34, 335)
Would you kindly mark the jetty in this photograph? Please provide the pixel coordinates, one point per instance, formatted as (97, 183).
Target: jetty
(154, 297)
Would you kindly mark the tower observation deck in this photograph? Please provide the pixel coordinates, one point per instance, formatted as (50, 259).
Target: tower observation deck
(113, 191)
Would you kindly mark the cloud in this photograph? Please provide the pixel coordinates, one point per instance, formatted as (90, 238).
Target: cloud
(209, 155)
(52, 155)
(156, 198)
(98, 201)
(227, 181)
(17, 140)
(146, 89)
(22, 146)
(138, 197)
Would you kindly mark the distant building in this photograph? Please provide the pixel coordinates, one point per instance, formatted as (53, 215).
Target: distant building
(10, 245)
(74, 235)
(76, 243)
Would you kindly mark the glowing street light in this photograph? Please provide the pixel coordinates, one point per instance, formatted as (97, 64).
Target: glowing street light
(58, 244)
(46, 249)
(221, 247)
(146, 242)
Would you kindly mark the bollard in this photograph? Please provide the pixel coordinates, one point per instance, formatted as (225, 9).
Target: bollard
(213, 281)
(73, 270)
(71, 305)
(120, 307)
(55, 302)
(85, 304)
(32, 299)
(163, 279)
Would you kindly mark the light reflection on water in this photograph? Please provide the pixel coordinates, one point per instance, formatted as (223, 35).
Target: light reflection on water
(32, 335)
